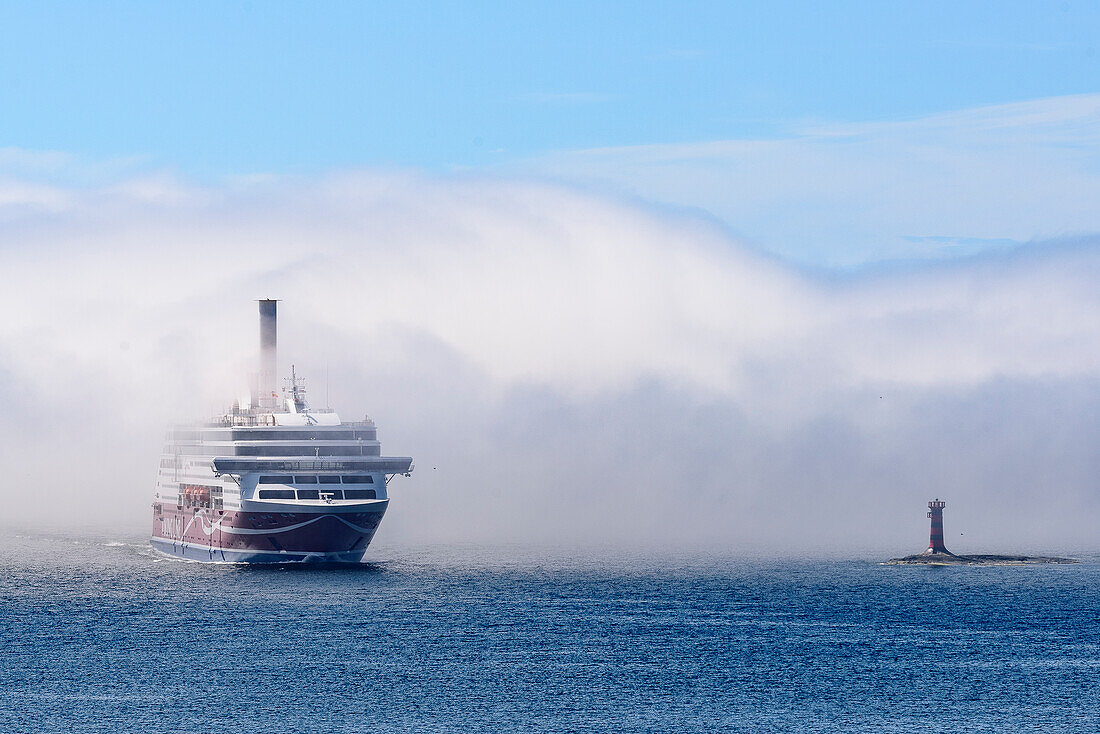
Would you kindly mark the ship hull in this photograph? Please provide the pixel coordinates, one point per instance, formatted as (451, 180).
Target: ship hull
(283, 534)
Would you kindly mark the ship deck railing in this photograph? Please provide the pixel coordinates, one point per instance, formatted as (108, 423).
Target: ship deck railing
(384, 464)
(247, 420)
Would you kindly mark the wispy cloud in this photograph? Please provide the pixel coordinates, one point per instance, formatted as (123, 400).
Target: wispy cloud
(57, 167)
(940, 246)
(1073, 119)
(851, 193)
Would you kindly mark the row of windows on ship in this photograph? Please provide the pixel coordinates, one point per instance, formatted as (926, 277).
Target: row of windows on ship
(273, 434)
(321, 450)
(316, 479)
(315, 494)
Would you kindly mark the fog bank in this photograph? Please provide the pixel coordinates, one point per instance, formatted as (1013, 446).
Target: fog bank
(564, 368)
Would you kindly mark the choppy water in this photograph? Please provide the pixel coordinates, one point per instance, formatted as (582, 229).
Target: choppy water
(100, 634)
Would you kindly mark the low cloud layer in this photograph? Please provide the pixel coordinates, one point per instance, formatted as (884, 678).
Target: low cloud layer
(565, 368)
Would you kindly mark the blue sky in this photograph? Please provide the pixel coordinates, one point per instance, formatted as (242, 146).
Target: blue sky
(240, 87)
(210, 90)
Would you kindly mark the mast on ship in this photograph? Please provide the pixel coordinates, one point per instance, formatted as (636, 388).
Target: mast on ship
(296, 403)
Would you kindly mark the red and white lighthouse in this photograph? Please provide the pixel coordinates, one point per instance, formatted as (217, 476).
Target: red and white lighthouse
(935, 534)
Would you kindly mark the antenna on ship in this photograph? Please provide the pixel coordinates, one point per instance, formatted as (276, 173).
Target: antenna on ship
(297, 390)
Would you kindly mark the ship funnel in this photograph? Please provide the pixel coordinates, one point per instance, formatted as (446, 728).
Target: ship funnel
(268, 331)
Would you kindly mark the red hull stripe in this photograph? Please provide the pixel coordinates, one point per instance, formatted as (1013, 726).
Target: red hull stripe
(310, 533)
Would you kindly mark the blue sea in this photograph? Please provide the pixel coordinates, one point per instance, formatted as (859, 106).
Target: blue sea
(102, 634)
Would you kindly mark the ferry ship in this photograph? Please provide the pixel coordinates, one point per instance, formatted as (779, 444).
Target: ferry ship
(272, 480)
